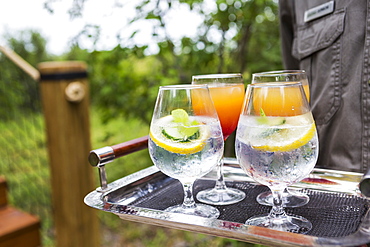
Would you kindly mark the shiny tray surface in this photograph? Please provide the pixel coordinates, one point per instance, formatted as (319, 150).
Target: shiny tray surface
(337, 210)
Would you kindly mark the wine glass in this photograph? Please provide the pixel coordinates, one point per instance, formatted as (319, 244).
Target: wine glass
(277, 145)
(185, 140)
(291, 198)
(227, 92)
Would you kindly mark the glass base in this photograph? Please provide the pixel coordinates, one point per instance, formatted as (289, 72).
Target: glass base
(296, 224)
(199, 210)
(291, 199)
(220, 196)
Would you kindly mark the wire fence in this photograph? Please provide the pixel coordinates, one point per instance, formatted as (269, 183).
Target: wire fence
(23, 149)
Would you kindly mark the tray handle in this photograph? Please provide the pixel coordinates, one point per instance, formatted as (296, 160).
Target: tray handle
(100, 157)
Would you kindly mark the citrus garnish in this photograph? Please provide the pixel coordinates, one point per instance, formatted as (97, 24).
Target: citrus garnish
(186, 127)
(282, 138)
(176, 133)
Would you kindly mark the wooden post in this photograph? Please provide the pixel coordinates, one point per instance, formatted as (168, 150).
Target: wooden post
(65, 99)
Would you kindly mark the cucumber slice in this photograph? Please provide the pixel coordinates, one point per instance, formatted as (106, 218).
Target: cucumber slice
(174, 134)
(185, 130)
(276, 121)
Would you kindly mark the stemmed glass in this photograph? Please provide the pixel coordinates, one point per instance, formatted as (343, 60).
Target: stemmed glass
(227, 92)
(291, 198)
(185, 140)
(277, 145)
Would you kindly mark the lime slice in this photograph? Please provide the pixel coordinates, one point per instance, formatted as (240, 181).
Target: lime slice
(283, 137)
(180, 116)
(165, 133)
(186, 129)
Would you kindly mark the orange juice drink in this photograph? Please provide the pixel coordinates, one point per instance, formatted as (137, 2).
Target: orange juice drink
(228, 101)
(288, 76)
(278, 101)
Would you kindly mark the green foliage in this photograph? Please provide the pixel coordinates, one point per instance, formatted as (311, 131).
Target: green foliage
(25, 92)
(128, 86)
(124, 81)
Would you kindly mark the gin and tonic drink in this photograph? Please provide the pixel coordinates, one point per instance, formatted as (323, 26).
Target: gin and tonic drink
(291, 197)
(277, 145)
(186, 141)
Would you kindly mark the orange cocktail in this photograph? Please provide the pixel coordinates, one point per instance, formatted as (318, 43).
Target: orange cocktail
(290, 76)
(228, 100)
(227, 93)
(277, 101)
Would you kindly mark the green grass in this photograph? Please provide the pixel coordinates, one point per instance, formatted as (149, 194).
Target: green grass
(25, 165)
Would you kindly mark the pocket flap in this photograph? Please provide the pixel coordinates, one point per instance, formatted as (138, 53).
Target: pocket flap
(318, 35)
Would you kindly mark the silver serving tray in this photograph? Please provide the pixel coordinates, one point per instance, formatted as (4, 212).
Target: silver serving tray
(123, 193)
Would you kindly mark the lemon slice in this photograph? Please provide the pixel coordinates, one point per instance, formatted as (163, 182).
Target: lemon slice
(165, 134)
(282, 138)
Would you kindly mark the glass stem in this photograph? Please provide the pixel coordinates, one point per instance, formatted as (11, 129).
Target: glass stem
(188, 195)
(220, 183)
(277, 210)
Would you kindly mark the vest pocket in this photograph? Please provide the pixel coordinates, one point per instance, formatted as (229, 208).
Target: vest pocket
(318, 47)
(317, 35)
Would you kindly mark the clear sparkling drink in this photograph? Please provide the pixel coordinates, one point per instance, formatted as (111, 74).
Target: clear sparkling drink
(278, 151)
(190, 159)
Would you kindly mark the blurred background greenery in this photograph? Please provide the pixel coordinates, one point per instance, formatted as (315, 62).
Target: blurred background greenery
(124, 83)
